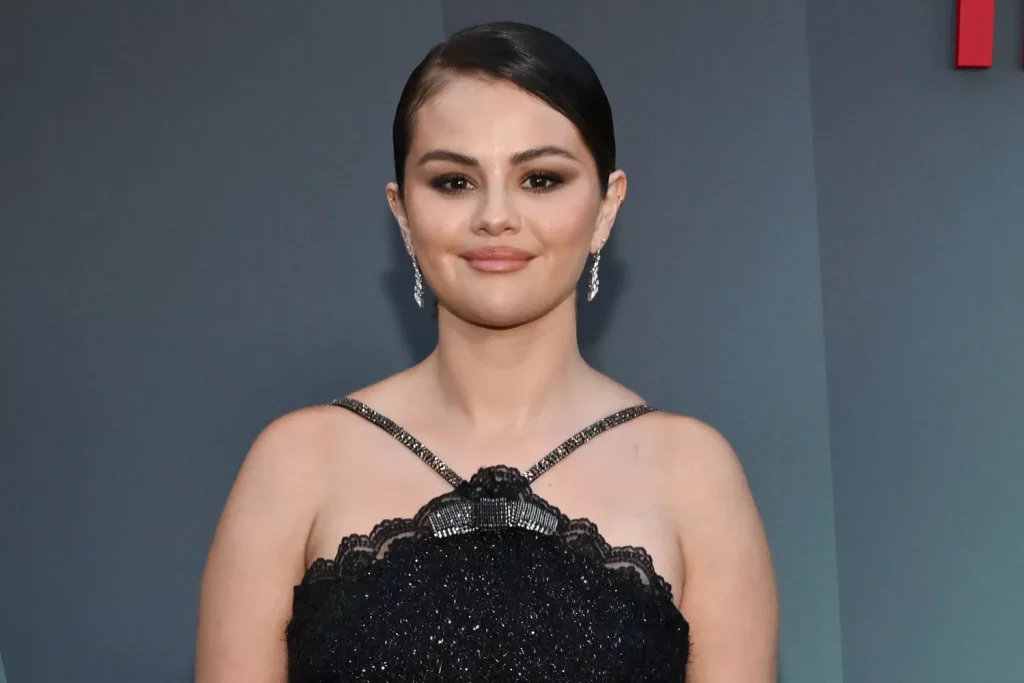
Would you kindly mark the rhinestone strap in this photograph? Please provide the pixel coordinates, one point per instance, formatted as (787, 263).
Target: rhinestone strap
(405, 438)
(543, 465)
(583, 436)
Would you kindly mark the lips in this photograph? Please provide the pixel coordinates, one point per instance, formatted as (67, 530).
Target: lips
(497, 259)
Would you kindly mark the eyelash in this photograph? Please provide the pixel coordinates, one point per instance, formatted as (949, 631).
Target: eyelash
(553, 180)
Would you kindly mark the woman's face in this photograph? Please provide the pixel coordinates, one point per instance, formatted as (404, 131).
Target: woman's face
(502, 203)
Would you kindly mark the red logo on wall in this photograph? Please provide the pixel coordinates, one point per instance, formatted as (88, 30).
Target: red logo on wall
(975, 26)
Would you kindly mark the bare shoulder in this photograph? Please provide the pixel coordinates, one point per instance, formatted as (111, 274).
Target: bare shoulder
(296, 441)
(706, 485)
(729, 594)
(697, 454)
(286, 461)
(257, 552)
(281, 471)
(692, 453)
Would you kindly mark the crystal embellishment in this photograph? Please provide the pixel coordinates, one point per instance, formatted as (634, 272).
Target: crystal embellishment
(467, 516)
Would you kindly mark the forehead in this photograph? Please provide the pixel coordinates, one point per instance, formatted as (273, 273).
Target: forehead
(479, 115)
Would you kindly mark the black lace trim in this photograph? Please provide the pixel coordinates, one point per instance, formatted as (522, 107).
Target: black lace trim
(359, 551)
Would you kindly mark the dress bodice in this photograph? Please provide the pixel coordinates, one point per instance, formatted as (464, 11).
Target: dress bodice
(486, 583)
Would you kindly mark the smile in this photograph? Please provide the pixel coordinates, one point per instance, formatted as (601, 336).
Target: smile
(497, 259)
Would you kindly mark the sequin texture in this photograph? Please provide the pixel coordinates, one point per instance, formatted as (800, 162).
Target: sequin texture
(487, 583)
(494, 604)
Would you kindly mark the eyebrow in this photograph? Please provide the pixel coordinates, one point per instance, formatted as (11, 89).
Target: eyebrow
(517, 158)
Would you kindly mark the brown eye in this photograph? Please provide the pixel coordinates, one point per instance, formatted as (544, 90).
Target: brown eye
(542, 181)
(451, 183)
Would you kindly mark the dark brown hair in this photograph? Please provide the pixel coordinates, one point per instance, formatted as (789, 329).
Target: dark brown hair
(537, 61)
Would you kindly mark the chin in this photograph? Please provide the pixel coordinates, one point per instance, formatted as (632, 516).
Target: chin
(503, 314)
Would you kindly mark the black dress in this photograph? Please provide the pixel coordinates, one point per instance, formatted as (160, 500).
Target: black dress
(487, 583)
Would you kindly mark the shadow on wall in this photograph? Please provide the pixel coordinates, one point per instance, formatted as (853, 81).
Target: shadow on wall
(417, 324)
(595, 316)
(419, 329)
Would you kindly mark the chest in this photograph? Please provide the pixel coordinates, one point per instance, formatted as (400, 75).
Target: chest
(626, 506)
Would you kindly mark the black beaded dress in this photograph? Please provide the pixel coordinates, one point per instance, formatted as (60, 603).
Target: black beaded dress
(488, 583)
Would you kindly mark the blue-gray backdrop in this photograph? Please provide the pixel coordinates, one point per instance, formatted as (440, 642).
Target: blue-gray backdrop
(822, 255)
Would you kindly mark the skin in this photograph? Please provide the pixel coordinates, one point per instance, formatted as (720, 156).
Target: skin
(505, 384)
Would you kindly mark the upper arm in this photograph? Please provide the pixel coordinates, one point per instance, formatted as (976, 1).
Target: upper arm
(729, 594)
(258, 555)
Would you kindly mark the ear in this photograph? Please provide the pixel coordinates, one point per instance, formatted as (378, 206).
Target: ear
(609, 209)
(397, 207)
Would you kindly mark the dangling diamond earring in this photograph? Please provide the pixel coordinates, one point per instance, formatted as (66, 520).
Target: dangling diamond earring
(417, 287)
(594, 282)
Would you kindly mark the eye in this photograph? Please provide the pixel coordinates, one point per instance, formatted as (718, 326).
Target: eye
(451, 183)
(542, 181)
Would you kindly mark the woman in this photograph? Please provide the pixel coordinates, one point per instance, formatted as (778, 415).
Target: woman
(579, 567)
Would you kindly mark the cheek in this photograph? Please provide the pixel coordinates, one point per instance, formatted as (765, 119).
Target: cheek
(564, 220)
(436, 220)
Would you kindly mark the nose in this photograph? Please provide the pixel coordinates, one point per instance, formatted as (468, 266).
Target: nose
(497, 213)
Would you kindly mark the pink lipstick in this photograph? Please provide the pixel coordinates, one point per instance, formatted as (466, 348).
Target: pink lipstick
(497, 259)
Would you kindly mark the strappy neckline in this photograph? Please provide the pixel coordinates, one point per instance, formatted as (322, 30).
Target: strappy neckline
(556, 455)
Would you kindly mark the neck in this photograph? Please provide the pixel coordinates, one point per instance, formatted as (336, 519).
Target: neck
(499, 380)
